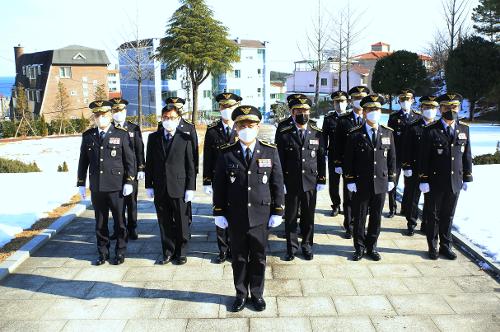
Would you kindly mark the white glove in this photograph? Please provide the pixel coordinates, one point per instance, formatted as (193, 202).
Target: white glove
(83, 191)
(465, 186)
(221, 222)
(141, 176)
(274, 221)
(284, 189)
(352, 187)
(127, 189)
(150, 192)
(208, 190)
(390, 186)
(320, 187)
(424, 187)
(188, 196)
(326, 158)
(338, 170)
(408, 173)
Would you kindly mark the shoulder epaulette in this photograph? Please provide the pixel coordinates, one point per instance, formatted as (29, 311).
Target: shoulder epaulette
(213, 124)
(227, 145)
(88, 131)
(414, 121)
(121, 128)
(316, 128)
(343, 115)
(354, 128)
(416, 112)
(189, 121)
(284, 120)
(285, 128)
(387, 127)
(271, 145)
(463, 123)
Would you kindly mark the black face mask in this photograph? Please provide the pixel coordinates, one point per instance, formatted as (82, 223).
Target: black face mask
(450, 115)
(302, 119)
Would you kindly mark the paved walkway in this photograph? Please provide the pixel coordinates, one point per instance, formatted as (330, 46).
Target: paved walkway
(59, 289)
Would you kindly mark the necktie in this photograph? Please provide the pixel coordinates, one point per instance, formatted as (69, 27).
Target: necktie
(449, 132)
(358, 121)
(374, 136)
(248, 156)
(228, 133)
(301, 133)
(101, 136)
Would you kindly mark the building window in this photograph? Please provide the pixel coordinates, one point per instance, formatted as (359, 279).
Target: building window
(364, 80)
(168, 94)
(237, 73)
(165, 76)
(311, 85)
(260, 51)
(37, 96)
(273, 96)
(32, 72)
(39, 67)
(24, 70)
(324, 82)
(207, 93)
(84, 79)
(335, 82)
(73, 93)
(65, 72)
(259, 90)
(259, 71)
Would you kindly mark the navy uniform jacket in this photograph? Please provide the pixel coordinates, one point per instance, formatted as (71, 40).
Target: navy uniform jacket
(413, 145)
(189, 128)
(370, 166)
(255, 192)
(111, 164)
(446, 165)
(215, 138)
(399, 123)
(304, 165)
(171, 171)
(329, 127)
(134, 132)
(345, 123)
(285, 123)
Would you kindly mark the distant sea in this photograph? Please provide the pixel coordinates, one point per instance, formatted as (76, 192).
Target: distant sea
(6, 83)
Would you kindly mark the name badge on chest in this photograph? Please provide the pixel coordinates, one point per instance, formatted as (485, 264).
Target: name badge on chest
(314, 141)
(264, 162)
(386, 140)
(462, 136)
(114, 140)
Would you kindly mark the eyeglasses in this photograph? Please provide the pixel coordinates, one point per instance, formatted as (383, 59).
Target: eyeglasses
(172, 118)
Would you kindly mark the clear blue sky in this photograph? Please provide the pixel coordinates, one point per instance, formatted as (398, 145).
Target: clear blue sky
(42, 25)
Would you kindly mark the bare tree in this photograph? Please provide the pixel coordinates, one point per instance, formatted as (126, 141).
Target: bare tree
(352, 33)
(22, 112)
(338, 44)
(455, 13)
(317, 42)
(62, 107)
(437, 49)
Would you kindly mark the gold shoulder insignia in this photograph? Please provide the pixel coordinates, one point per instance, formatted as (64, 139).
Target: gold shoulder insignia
(124, 129)
(414, 121)
(386, 127)
(354, 128)
(213, 124)
(285, 128)
(227, 145)
(344, 114)
(416, 112)
(189, 121)
(463, 123)
(316, 128)
(271, 145)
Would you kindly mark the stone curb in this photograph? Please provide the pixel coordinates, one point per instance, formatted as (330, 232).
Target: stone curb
(15, 260)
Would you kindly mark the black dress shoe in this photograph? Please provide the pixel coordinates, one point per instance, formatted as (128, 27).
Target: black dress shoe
(221, 258)
(164, 260)
(289, 257)
(119, 259)
(448, 253)
(182, 260)
(409, 232)
(348, 234)
(239, 304)
(358, 255)
(258, 303)
(373, 254)
(390, 214)
(433, 254)
(308, 256)
(132, 235)
(335, 211)
(113, 237)
(101, 260)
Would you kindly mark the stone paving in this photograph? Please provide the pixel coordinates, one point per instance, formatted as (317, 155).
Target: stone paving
(59, 290)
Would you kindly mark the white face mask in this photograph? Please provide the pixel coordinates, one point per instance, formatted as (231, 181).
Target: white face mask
(356, 103)
(373, 116)
(247, 135)
(120, 116)
(429, 114)
(170, 125)
(226, 113)
(342, 106)
(405, 105)
(103, 121)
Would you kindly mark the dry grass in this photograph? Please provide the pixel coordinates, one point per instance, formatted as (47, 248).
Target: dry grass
(26, 235)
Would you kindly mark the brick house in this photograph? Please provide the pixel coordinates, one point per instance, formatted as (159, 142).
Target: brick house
(81, 70)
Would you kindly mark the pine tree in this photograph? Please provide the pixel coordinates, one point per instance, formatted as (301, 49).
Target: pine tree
(194, 39)
(44, 129)
(61, 107)
(100, 92)
(22, 112)
(65, 167)
(486, 17)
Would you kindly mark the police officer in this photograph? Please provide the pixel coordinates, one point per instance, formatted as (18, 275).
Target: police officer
(345, 123)
(330, 122)
(400, 121)
(107, 155)
(445, 169)
(288, 121)
(119, 111)
(219, 133)
(302, 154)
(411, 159)
(248, 199)
(170, 180)
(370, 166)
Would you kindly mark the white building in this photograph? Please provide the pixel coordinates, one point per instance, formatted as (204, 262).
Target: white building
(303, 79)
(114, 82)
(249, 78)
